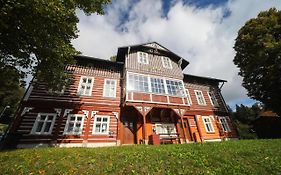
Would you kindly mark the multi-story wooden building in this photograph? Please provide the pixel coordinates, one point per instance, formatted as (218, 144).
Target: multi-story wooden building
(143, 93)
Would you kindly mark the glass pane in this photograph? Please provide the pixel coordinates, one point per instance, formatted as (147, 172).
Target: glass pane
(104, 127)
(72, 118)
(79, 118)
(70, 127)
(89, 81)
(47, 127)
(84, 80)
(39, 126)
(98, 119)
(98, 127)
(104, 119)
(50, 117)
(43, 117)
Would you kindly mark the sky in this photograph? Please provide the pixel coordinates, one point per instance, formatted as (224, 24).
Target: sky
(201, 31)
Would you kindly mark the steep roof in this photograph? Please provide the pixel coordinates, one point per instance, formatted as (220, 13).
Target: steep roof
(188, 76)
(81, 59)
(123, 50)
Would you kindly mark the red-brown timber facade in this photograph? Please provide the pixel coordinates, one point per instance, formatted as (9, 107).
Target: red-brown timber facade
(142, 98)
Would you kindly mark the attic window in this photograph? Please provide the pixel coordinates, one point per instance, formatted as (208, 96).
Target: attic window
(166, 62)
(142, 58)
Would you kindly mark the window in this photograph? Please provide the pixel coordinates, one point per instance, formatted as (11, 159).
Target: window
(138, 83)
(157, 85)
(74, 124)
(109, 89)
(101, 125)
(85, 86)
(175, 87)
(166, 129)
(142, 57)
(224, 124)
(200, 97)
(213, 99)
(166, 62)
(44, 124)
(208, 124)
(188, 97)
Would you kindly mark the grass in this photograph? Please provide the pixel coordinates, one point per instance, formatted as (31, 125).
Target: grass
(232, 157)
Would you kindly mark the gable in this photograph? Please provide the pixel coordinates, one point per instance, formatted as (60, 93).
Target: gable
(156, 46)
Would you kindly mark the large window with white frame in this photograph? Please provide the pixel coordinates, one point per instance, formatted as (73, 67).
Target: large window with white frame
(166, 62)
(109, 88)
(74, 124)
(208, 124)
(200, 98)
(224, 124)
(138, 82)
(101, 124)
(142, 57)
(44, 123)
(85, 86)
(213, 99)
(146, 83)
(157, 85)
(188, 97)
(175, 87)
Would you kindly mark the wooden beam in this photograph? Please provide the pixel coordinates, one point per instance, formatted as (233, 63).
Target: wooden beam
(145, 138)
(184, 131)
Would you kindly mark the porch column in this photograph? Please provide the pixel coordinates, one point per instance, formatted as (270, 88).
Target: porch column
(145, 138)
(182, 124)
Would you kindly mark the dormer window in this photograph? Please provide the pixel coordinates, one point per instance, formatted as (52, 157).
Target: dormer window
(142, 57)
(166, 62)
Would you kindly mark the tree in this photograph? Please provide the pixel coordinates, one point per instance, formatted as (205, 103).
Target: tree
(258, 55)
(10, 92)
(36, 35)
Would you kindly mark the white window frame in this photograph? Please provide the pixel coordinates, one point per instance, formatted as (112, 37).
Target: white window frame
(213, 99)
(188, 97)
(149, 84)
(104, 88)
(197, 97)
(143, 60)
(133, 88)
(212, 130)
(95, 122)
(158, 86)
(224, 123)
(80, 83)
(166, 62)
(183, 89)
(68, 121)
(35, 125)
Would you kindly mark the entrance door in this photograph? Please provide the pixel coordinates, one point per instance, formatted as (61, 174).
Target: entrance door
(129, 130)
(187, 129)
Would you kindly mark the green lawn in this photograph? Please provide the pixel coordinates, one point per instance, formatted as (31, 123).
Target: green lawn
(232, 157)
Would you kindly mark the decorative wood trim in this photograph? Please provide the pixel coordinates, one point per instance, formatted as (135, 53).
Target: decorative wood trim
(86, 113)
(66, 112)
(94, 113)
(58, 111)
(115, 114)
(139, 108)
(26, 109)
(147, 109)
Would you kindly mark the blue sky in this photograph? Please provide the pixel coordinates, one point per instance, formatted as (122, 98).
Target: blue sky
(201, 31)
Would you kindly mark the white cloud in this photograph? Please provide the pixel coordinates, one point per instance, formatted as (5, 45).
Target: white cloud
(201, 35)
